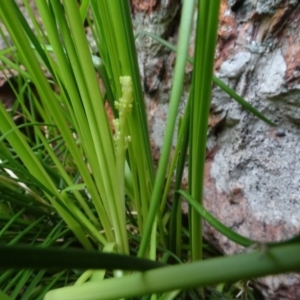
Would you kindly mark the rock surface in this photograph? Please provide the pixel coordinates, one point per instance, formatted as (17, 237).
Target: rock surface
(252, 173)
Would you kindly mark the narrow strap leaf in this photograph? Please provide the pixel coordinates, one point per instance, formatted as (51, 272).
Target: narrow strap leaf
(233, 236)
(22, 257)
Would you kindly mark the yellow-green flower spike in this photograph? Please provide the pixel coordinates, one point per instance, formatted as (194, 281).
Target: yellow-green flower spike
(124, 106)
(125, 103)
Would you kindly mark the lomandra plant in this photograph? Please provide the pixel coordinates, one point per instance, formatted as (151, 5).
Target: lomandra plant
(92, 181)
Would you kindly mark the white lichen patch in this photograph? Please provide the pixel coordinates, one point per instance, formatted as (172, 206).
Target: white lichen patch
(272, 74)
(234, 67)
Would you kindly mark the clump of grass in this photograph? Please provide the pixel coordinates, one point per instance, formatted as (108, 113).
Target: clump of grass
(75, 182)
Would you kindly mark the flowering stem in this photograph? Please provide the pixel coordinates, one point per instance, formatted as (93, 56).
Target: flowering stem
(124, 106)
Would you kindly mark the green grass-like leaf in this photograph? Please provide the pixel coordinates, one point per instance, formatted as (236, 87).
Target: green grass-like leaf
(22, 257)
